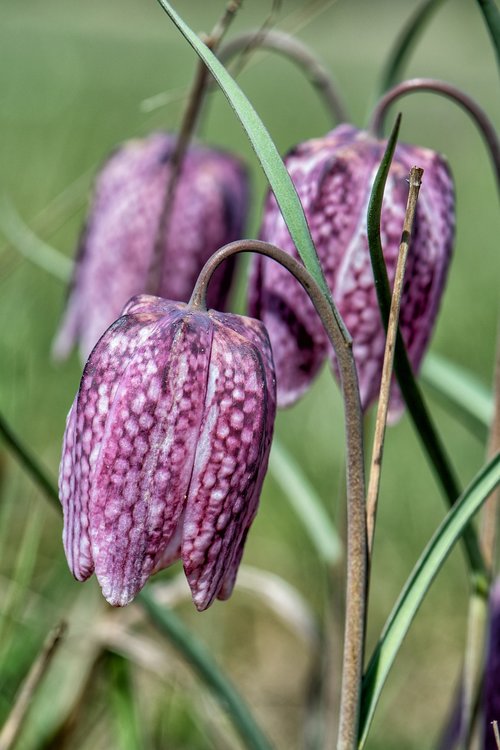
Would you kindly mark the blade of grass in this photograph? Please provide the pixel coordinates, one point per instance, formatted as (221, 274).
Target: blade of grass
(206, 669)
(412, 395)
(417, 586)
(387, 367)
(123, 702)
(405, 41)
(491, 16)
(460, 391)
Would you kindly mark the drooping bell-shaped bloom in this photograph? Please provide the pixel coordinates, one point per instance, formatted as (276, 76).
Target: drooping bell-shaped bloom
(166, 447)
(491, 696)
(333, 177)
(118, 240)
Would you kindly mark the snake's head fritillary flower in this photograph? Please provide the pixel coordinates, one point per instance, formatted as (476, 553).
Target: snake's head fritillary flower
(333, 177)
(166, 447)
(491, 700)
(118, 240)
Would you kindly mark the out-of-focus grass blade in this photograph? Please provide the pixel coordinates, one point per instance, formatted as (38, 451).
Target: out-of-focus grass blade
(465, 397)
(404, 44)
(207, 670)
(305, 502)
(32, 247)
(124, 703)
(268, 155)
(491, 15)
(417, 586)
(417, 408)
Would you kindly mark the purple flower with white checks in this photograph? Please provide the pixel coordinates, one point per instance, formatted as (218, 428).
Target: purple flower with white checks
(166, 448)
(333, 177)
(491, 695)
(118, 241)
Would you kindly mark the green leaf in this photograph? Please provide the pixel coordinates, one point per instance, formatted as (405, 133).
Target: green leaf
(123, 702)
(417, 586)
(266, 151)
(305, 502)
(404, 44)
(33, 468)
(465, 397)
(207, 670)
(491, 15)
(431, 442)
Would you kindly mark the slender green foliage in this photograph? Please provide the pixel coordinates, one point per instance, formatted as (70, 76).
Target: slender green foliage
(417, 586)
(405, 42)
(491, 14)
(412, 395)
(206, 669)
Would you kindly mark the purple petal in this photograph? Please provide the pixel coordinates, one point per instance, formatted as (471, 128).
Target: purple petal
(143, 471)
(492, 670)
(229, 464)
(118, 241)
(333, 177)
(85, 430)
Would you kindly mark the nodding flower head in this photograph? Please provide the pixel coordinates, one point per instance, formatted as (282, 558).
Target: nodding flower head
(166, 447)
(333, 177)
(117, 244)
(491, 694)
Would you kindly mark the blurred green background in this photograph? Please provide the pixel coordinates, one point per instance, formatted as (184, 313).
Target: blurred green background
(72, 80)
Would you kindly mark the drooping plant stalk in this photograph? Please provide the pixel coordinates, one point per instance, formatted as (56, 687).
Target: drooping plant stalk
(189, 120)
(390, 345)
(411, 393)
(449, 91)
(296, 51)
(356, 520)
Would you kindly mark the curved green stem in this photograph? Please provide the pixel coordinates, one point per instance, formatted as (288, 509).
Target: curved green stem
(356, 514)
(296, 51)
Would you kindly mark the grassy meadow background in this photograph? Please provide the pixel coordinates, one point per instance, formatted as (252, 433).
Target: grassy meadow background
(72, 79)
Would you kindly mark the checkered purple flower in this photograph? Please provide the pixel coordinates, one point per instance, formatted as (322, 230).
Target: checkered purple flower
(491, 697)
(117, 243)
(333, 177)
(166, 448)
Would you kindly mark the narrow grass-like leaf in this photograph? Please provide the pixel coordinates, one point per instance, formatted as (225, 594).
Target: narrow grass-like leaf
(460, 392)
(404, 44)
(412, 395)
(34, 469)
(207, 670)
(491, 15)
(417, 586)
(123, 702)
(306, 503)
(268, 155)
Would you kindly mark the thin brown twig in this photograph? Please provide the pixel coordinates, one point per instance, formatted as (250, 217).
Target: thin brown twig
(496, 733)
(390, 345)
(15, 719)
(189, 121)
